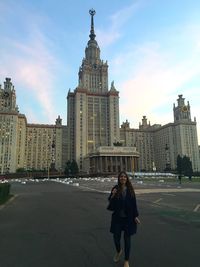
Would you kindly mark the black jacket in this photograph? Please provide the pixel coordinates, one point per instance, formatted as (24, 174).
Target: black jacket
(130, 208)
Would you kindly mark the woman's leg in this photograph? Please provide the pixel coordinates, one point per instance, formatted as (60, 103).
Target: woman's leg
(127, 245)
(117, 237)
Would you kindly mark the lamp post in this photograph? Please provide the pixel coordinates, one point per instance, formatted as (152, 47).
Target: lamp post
(7, 172)
(53, 155)
(167, 168)
(47, 169)
(48, 161)
(60, 170)
(154, 166)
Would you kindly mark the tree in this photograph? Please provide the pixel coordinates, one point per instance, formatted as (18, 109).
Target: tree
(74, 168)
(179, 164)
(67, 168)
(117, 144)
(20, 170)
(188, 171)
(184, 166)
(71, 168)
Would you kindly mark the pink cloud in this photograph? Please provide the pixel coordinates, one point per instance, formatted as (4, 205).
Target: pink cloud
(153, 84)
(116, 22)
(31, 65)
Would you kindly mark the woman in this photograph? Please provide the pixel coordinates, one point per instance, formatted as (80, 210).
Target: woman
(122, 202)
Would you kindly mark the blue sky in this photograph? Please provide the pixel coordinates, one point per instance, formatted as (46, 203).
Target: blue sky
(152, 48)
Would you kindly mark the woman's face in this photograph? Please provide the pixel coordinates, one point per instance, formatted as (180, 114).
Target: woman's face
(123, 179)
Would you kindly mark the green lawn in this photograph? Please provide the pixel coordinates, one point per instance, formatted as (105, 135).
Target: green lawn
(3, 201)
(171, 180)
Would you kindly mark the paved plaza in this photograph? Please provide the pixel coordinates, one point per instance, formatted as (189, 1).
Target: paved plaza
(65, 223)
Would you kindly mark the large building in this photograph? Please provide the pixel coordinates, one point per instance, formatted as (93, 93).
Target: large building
(27, 146)
(159, 145)
(93, 137)
(93, 115)
(12, 130)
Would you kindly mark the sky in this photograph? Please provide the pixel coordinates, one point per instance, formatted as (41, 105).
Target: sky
(152, 48)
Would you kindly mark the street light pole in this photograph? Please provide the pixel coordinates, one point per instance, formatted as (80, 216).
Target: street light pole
(48, 170)
(167, 157)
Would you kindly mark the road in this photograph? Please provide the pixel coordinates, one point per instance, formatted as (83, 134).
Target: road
(56, 225)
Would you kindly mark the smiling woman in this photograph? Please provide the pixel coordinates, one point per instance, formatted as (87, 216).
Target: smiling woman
(122, 201)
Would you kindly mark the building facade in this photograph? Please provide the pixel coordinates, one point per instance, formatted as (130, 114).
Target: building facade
(12, 130)
(27, 146)
(112, 159)
(93, 107)
(159, 145)
(92, 136)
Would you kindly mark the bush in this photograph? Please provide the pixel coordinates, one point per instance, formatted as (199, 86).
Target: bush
(4, 191)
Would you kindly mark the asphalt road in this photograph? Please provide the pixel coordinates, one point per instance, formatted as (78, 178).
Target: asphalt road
(50, 224)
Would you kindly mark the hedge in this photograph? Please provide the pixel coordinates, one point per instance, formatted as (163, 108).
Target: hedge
(4, 191)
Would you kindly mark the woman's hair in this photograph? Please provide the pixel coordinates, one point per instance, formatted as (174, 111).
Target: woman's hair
(128, 185)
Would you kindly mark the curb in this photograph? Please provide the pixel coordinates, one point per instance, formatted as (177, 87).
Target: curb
(9, 201)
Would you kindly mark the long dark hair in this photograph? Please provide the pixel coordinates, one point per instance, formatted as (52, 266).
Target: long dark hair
(128, 185)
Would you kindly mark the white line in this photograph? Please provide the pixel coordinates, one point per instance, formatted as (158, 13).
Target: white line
(167, 194)
(93, 189)
(196, 208)
(139, 191)
(158, 200)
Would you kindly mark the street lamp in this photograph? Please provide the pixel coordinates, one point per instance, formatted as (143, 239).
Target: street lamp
(167, 158)
(53, 155)
(47, 169)
(154, 166)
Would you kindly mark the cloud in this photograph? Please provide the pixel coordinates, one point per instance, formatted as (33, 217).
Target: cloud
(31, 65)
(117, 21)
(153, 83)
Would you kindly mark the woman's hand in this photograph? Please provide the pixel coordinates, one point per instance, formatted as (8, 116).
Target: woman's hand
(114, 191)
(137, 221)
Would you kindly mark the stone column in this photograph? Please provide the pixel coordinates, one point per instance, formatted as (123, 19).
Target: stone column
(96, 164)
(103, 163)
(133, 164)
(125, 163)
(100, 164)
(106, 163)
(121, 163)
(111, 164)
(128, 164)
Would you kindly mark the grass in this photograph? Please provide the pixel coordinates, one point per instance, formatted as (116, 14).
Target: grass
(3, 201)
(181, 215)
(171, 180)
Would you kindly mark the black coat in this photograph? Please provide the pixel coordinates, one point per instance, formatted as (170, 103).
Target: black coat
(131, 211)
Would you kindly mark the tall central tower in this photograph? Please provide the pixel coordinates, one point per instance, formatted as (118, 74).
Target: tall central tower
(93, 73)
(93, 108)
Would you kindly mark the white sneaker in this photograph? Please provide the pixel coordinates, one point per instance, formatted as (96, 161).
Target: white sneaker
(117, 256)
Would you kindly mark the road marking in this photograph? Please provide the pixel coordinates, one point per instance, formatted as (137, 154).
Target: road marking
(158, 200)
(196, 208)
(93, 189)
(140, 191)
(167, 194)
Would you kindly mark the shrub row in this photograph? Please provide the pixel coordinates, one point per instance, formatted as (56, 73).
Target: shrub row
(4, 191)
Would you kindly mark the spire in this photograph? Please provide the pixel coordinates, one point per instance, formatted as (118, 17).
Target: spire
(92, 34)
(92, 51)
